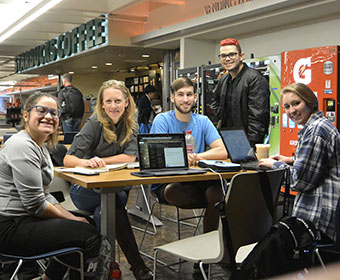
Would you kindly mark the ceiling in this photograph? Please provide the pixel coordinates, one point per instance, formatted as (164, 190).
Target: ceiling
(71, 13)
(65, 16)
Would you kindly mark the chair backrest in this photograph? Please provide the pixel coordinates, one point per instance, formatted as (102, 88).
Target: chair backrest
(247, 213)
(7, 135)
(68, 137)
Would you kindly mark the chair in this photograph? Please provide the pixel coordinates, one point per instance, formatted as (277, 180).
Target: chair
(143, 210)
(180, 221)
(248, 218)
(6, 258)
(7, 135)
(60, 189)
(68, 137)
(333, 248)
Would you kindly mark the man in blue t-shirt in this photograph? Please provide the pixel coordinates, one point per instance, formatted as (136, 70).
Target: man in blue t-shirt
(191, 195)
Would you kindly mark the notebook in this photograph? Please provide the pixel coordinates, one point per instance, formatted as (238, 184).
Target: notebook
(163, 155)
(239, 149)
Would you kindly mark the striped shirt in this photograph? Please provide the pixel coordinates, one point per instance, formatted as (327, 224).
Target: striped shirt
(315, 174)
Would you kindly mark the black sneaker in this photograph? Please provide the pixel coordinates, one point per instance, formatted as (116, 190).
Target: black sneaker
(142, 273)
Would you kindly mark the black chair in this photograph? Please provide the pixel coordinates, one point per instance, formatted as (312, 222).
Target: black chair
(68, 137)
(6, 258)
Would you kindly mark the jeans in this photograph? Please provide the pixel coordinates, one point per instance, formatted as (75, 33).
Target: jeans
(71, 124)
(89, 200)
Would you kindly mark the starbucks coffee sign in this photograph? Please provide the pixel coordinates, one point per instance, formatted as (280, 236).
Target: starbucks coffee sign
(88, 35)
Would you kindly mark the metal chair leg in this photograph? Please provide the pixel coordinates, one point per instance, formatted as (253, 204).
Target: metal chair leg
(203, 272)
(149, 213)
(155, 264)
(317, 253)
(146, 226)
(17, 269)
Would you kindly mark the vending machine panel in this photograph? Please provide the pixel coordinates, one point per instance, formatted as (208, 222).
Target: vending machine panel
(317, 68)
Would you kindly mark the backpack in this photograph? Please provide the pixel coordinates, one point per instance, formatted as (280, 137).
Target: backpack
(74, 103)
(287, 247)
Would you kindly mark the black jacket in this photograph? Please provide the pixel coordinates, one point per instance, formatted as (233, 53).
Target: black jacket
(250, 103)
(145, 111)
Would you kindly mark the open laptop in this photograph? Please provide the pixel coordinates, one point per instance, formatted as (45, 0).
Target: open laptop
(239, 149)
(163, 155)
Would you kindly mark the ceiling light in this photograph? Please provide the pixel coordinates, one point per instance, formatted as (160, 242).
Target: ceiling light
(94, 66)
(23, 21)
(145, 55)
(71, 72)
(108, 63)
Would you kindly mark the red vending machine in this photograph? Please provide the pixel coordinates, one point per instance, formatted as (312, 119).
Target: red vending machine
(317, 68)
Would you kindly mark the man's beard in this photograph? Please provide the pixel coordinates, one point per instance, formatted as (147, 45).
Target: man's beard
(184, 112)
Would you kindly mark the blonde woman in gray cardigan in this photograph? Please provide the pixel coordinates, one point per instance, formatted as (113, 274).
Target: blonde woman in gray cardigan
(109, 136)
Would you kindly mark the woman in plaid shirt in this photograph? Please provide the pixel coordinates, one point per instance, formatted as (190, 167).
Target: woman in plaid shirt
(315, 167)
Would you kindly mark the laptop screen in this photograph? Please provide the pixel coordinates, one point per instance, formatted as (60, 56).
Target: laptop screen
(237, 145)
(160, 151)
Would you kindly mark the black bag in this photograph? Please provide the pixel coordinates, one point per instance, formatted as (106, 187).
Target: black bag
(288, 247)
(74, 103)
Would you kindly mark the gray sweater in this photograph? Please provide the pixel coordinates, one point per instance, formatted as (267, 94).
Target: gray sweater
(26, 170)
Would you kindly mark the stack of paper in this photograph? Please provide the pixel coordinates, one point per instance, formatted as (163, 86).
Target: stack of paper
(93, 171)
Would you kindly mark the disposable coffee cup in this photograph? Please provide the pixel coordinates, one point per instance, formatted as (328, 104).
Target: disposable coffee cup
(262, 150)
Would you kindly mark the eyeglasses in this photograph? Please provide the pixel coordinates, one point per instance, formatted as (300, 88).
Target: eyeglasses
(42, 111)
(224, 56)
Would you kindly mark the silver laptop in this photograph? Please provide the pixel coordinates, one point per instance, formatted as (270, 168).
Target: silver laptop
(163, 155)
(239, 149)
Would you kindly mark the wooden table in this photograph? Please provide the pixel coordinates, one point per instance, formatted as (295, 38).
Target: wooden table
(60, 137)
(115, 181)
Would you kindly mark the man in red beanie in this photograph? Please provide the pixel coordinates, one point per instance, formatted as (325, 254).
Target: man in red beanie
(241, 97)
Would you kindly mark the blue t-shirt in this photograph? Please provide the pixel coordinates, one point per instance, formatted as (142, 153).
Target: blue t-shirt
(202, 128)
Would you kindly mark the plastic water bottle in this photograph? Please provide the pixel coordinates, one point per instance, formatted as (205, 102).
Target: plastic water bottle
(190, 142)
(115, 273)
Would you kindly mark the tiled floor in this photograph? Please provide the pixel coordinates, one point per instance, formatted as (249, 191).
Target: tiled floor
(165, 234)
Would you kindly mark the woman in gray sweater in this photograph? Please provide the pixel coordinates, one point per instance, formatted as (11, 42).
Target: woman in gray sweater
(31, 220)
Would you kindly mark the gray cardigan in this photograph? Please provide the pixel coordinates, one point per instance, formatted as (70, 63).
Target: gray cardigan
(90, 142)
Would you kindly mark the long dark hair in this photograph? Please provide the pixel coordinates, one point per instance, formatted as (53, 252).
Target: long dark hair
(52, 139)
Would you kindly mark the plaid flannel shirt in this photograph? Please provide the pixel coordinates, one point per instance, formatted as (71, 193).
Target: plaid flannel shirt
(315, 174)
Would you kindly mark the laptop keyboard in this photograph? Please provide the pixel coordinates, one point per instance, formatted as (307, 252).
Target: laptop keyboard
(177, 172)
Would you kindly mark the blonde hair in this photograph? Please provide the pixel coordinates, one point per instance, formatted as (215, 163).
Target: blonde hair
(305, 93)
(33, 100)
(129, 116)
